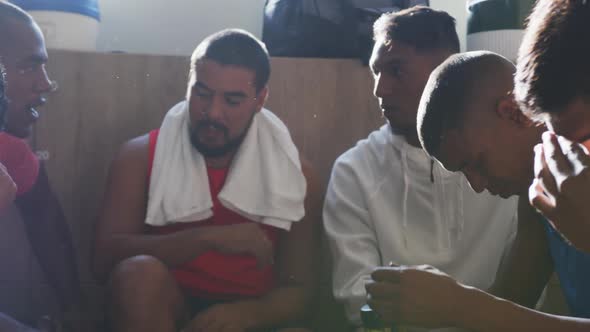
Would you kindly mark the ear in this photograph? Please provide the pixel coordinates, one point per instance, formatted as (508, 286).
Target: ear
(507, 108)
(261, 98)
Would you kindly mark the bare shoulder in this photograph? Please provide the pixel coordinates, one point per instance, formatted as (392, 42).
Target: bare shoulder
(132, 158)
(136, 150)
(129, 169)
(125, 195)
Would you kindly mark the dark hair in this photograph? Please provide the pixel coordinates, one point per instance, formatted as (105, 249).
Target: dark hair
(450, 89)
(554, 57)
(422, 27)
(3, 101)
(236, 47)
(10, 11)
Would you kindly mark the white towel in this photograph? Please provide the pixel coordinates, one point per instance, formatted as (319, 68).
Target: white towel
(264, 184)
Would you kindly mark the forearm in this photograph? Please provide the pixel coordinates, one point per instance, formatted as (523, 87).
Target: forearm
(483, 312)
(172, 249)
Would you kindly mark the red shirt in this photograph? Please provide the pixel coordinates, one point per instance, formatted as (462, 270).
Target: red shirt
(214, 275)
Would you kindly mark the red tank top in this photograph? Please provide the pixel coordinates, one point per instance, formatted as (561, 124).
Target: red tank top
(214, 275)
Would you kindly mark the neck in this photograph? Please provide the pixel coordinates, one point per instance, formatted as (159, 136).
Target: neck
(410, 135)
(413, 140)
(220, 162)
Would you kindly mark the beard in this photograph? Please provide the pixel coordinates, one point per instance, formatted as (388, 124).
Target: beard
(230, 146)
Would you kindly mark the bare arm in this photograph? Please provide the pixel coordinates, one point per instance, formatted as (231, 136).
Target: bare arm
(424, 296)
(121, 232)
(528, 257)
(488, 313)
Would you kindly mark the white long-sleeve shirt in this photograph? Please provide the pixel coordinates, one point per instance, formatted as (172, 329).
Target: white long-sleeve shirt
(388, 202)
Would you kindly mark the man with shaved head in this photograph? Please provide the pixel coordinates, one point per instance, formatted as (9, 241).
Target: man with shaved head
(37, 217)
(469, 121)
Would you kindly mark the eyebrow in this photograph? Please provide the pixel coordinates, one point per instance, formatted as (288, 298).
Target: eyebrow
(228, 94)
(385, 64)
(235, 94)
(202, 85)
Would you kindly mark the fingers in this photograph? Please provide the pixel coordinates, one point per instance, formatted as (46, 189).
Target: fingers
(542, 172)
(382, 290)
(554, 156)
(539, 200)
(576, 154)
(389, 274)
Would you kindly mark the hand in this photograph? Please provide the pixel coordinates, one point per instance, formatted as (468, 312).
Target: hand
(229, 317)
(561, 188)
(413, 295)
(7, 188)
(244, 238)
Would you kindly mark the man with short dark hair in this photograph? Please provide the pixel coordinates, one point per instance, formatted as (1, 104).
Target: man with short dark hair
(23, 53)
(209, 222)
(479, 130)
(553, 86)
(388, 201)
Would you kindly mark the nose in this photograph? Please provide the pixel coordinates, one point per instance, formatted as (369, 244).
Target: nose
(43, 84)
(214, 108)
(383, 85)
(476, 182)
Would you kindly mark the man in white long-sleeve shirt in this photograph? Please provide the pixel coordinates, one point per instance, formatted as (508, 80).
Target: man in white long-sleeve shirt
(387, 200)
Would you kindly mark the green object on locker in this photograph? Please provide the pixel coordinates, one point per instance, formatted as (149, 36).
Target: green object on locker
(490, 15)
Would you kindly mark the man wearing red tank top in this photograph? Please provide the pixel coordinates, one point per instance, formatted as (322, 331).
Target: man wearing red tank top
(224, 273)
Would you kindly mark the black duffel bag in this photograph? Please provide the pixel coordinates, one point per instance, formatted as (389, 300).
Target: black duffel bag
(324, 28)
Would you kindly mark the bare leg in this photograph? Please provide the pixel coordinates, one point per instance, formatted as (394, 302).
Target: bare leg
(143, 296)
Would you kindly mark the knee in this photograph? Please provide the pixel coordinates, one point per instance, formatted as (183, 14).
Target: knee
(138, 275)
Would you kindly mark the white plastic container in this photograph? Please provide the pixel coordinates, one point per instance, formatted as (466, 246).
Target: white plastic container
(66, 24)
(67, 30)
(497, 25)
